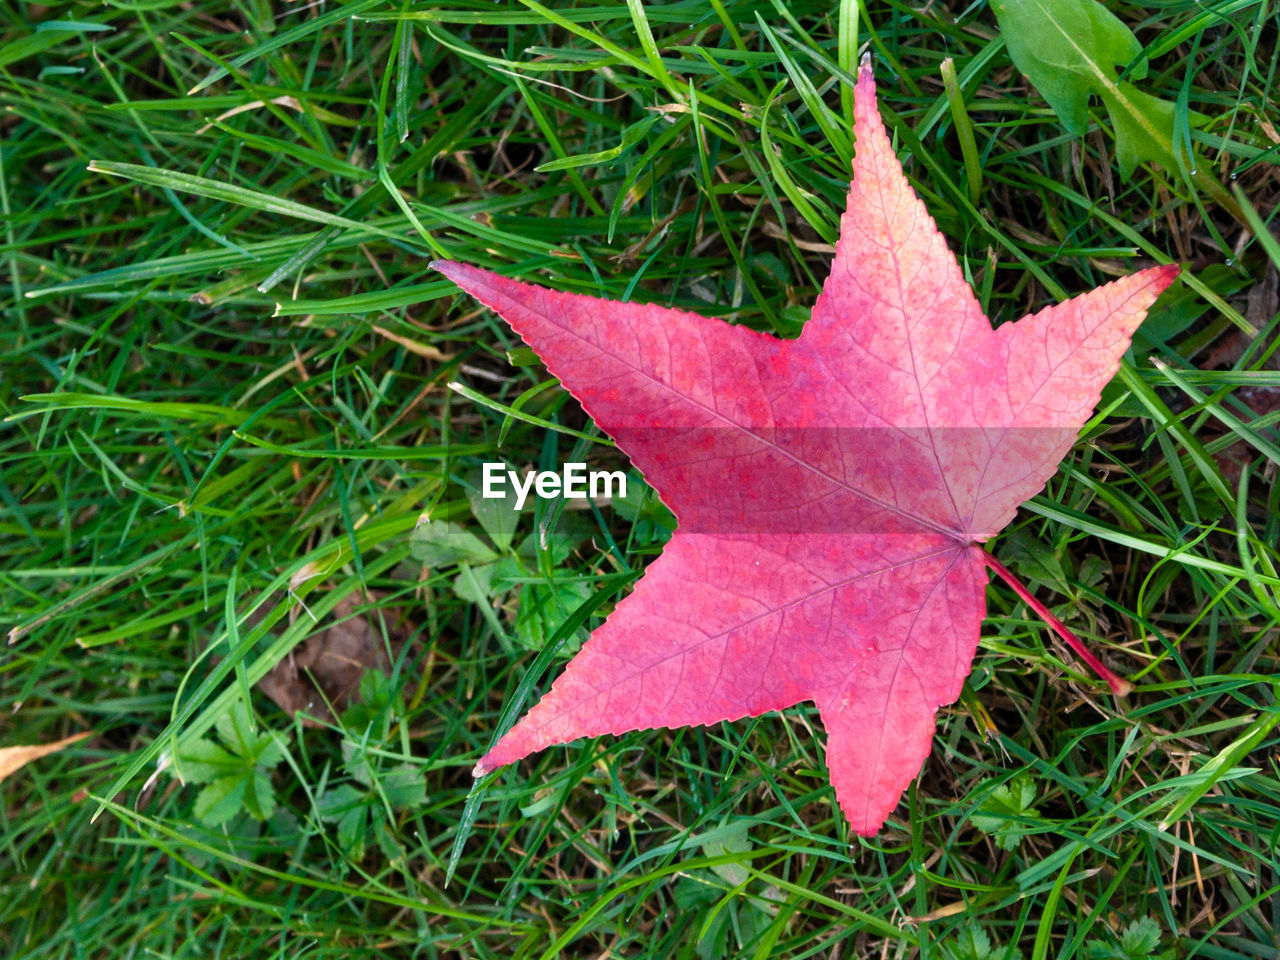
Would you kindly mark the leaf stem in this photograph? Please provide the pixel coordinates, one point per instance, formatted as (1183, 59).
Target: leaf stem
(1119, 686)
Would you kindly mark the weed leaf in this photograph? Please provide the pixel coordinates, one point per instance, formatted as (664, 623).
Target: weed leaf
(1073, 48)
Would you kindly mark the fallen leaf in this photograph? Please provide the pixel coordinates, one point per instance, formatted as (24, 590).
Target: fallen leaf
(325, 670)
(414, 346)
(13, 759)
(832, 491)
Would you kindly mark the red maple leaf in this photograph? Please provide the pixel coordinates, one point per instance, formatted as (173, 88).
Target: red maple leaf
(832, 491)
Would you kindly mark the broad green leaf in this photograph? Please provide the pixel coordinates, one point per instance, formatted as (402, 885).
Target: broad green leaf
(497, 515)
(404, 787)
(1036, 561)
(544, 607)
(474, 584)
(440, 543)
(1072, 48)
(1144, 127)
(1069, 49)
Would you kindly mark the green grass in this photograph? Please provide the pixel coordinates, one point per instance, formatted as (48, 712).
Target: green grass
(225, 383)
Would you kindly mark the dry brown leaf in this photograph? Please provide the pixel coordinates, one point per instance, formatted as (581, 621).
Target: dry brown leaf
(13, 759)
(413, 346)
(284, 101)
(325, 670)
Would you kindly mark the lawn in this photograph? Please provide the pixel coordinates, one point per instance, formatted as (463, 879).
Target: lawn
(246, 554)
